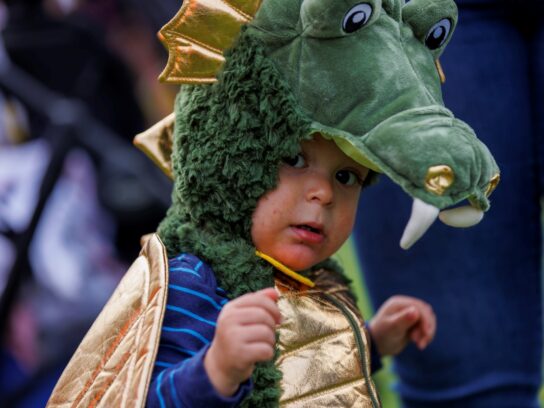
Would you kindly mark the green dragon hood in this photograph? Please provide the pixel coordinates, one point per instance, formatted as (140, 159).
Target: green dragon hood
(365, 74)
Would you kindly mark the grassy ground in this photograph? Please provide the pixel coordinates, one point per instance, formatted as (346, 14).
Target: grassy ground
(385, 378)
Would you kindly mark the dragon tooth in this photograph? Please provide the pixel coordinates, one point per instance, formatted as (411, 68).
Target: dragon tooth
(461, 217)
(422, 217)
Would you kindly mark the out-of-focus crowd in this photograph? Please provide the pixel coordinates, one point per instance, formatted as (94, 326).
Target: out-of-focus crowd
(78, 80)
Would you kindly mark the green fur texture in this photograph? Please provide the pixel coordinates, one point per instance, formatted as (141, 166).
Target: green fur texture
(229, 140)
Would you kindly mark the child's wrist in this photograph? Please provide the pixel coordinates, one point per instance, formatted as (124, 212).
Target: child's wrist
(221, 381)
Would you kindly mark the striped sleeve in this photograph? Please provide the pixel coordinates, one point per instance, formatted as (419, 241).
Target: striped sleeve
(193, 305)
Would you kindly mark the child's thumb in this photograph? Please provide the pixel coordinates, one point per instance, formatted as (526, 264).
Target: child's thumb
(270, 293)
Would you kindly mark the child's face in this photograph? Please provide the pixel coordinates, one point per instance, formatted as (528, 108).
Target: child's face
(311, 212)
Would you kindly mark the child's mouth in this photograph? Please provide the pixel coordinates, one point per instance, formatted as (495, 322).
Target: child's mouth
(312, 234)
(309, 228)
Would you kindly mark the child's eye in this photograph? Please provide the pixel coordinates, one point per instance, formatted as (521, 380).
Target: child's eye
(348, 178)
(297, 161)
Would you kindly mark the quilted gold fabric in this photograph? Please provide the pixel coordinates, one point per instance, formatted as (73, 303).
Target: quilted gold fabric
(112, 366)
(324, 353)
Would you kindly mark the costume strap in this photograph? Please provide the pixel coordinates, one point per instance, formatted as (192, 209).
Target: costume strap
(287, 271)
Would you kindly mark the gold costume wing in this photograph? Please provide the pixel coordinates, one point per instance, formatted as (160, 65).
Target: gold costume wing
(113, 364)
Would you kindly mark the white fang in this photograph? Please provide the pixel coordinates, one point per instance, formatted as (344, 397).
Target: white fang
(422, 217)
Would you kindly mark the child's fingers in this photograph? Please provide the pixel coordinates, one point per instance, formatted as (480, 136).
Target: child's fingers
(428, 323)
(271, 293)
(258, 333)
(263, 299)
(423, 333)
(418, 338)
(402, 321)
(257, 352)
(425, 324)
(255, 315)
(250, 298)
(400, 302)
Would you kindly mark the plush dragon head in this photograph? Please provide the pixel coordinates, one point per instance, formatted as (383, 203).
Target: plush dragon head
(364, 73)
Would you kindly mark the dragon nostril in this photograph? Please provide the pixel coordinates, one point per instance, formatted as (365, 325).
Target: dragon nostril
(493, 183)
(439, 179)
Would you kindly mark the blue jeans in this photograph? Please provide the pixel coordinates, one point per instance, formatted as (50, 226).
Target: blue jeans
(484, 283)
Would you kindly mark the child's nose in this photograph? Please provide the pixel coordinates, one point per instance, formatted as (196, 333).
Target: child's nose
(320, 189)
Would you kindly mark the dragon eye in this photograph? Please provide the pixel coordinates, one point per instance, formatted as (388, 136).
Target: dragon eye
(438, 34)
(357, 17)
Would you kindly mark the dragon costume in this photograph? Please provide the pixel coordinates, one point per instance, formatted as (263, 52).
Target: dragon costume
(258, 78)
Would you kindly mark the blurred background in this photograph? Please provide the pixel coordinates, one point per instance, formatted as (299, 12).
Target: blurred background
(78, 80)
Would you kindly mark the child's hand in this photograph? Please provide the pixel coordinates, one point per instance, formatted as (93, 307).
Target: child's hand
(245, 335)
(399, 320)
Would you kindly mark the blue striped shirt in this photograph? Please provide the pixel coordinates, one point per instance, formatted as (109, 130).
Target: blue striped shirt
(193, 305)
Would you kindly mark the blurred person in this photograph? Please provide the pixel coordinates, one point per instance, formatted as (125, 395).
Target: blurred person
(488, 350)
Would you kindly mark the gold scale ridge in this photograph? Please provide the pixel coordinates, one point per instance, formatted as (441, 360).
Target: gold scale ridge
(198, 35)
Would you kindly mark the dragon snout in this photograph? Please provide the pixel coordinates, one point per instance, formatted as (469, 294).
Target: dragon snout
(438, 180)
(438, 160)
(423, 215)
